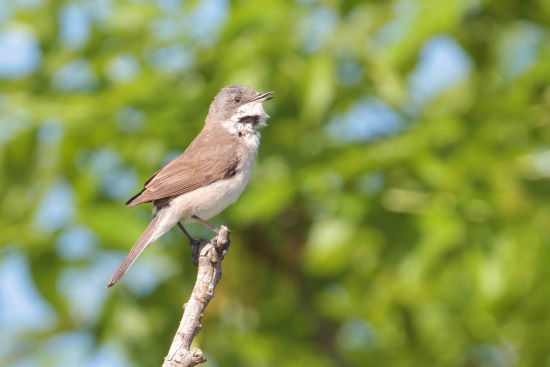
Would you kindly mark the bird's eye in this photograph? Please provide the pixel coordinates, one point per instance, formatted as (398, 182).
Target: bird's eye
(237, 99)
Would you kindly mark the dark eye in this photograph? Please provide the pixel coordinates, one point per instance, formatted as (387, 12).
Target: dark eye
(237, 99)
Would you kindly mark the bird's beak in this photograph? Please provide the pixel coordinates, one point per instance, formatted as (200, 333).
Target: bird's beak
(262, 97)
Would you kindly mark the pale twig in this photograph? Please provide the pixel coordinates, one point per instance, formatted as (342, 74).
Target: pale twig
(208, 256)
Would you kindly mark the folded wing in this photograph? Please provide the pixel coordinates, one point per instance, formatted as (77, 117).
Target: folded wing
(194, 168)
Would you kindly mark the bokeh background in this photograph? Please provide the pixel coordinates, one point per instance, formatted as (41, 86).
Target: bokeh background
(398, 214)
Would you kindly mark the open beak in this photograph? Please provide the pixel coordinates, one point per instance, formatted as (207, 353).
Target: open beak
(262, 97)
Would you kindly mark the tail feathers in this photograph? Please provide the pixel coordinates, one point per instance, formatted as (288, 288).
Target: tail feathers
(144, 241)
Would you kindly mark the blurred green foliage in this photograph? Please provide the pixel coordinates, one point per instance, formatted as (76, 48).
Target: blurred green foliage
(398, 213)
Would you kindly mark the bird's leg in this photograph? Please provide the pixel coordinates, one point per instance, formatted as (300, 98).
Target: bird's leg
(193, 242)
(200, 220)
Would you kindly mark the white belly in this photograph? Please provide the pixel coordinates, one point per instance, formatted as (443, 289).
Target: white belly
(210, 200)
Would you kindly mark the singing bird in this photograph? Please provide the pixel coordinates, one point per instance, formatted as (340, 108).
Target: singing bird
(209, 175)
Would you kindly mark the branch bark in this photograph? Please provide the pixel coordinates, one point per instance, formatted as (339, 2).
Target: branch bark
(208, 256)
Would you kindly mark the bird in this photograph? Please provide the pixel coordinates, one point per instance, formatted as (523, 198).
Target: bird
(209, 175)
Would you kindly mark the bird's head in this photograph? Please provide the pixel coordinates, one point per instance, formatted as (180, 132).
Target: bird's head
(239, 109)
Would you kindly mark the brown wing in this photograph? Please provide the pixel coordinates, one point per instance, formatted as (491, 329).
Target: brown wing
(198, 166)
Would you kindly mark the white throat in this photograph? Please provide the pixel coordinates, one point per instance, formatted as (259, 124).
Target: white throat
(247, 130)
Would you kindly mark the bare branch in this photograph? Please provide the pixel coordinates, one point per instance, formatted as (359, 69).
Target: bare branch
(208, 256)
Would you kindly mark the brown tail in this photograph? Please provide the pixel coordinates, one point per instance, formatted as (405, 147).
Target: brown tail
(145, 240)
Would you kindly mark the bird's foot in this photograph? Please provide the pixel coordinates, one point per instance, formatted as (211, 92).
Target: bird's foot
(192, 241)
